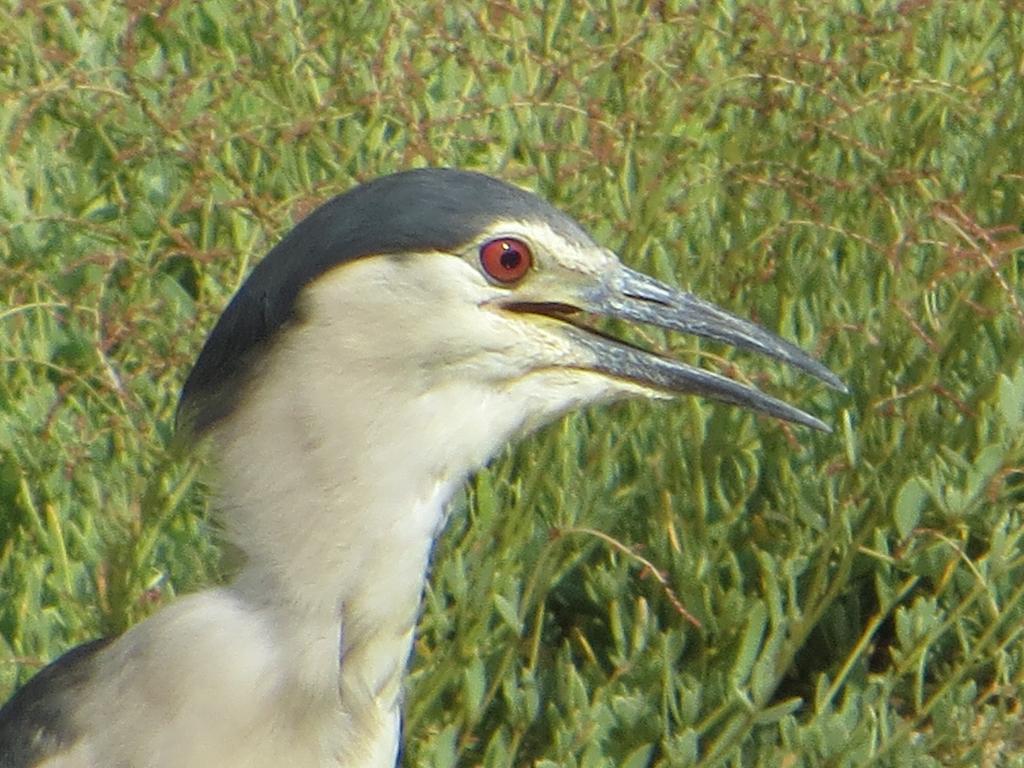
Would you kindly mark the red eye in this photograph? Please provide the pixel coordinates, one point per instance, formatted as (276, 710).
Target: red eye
(506, 260)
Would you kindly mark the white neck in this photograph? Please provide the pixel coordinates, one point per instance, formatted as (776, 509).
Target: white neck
(337, 522)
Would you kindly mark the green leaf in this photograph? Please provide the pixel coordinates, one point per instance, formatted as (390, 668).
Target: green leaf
(639, 757)
(1011, 399)
(910, 500)
(750, 642)
(474, 686)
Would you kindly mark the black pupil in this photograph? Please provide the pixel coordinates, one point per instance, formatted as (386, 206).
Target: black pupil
(510, 258)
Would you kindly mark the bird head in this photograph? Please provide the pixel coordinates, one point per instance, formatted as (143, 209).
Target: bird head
(445, 280)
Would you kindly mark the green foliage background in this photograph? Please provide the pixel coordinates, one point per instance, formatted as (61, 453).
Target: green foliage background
(652, 584)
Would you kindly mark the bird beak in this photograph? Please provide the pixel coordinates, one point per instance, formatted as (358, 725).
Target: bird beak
(634, 297)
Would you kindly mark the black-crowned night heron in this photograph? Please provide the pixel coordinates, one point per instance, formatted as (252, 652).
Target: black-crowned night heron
(387, 347)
